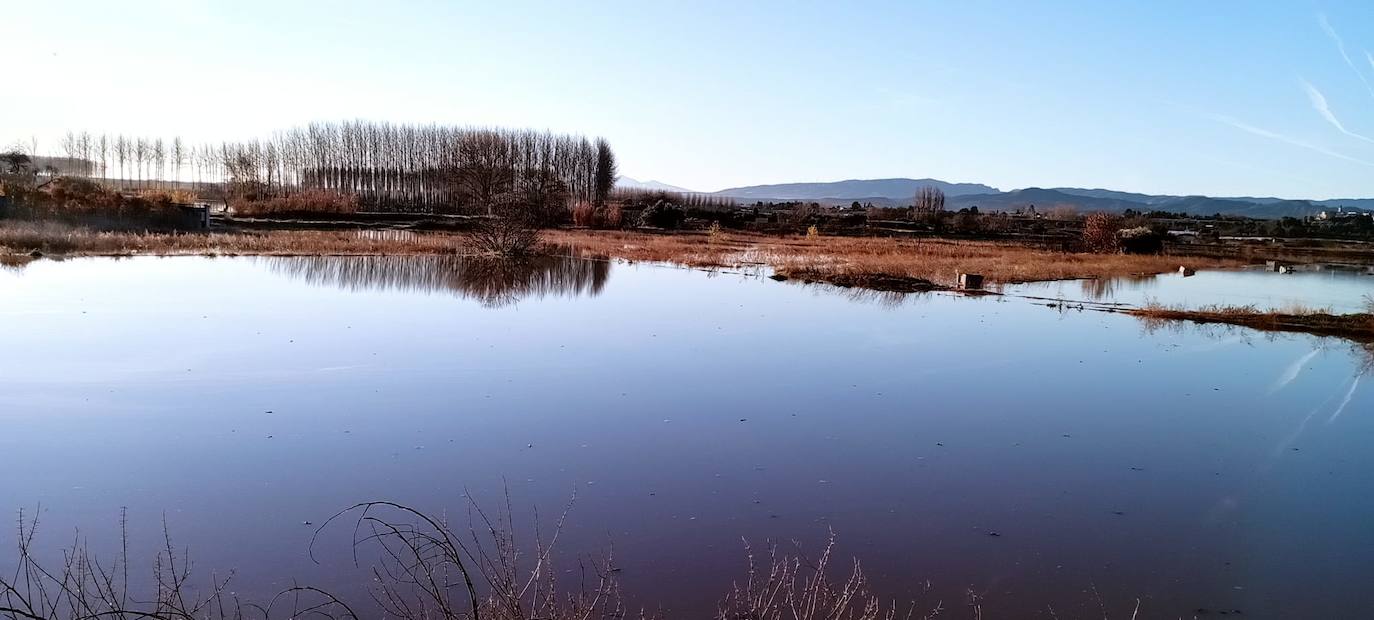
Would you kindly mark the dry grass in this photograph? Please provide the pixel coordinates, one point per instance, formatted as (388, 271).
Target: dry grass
(1291, 318)
(427, 567)
(874, 262)
(52, 238)
(310, 202)
(855, 260)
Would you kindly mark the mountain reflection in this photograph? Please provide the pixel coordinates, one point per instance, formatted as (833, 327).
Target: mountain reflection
(494, 282)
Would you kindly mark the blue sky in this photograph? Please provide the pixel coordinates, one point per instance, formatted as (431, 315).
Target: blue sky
(1221, 98)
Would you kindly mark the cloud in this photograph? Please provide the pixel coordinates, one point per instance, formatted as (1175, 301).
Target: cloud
(1265, 133)
(1348, 395)
(1319, 104)
(1340, 47)
(1293, 371)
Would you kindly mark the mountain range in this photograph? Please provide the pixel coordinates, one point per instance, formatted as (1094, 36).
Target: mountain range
(899, 192)
(623, 182)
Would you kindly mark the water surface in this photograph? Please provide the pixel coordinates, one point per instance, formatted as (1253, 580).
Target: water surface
(1193, 469)
(1336, 289)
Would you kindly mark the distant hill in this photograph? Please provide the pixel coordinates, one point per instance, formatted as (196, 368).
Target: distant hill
(1042, 200)
(899, 192)
(853, 189)
(629, 183)
(1114, 195)
(1117, 202)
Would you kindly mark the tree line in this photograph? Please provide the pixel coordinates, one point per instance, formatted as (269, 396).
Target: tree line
(387, 166)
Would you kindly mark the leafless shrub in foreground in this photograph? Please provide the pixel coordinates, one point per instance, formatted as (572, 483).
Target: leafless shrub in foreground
(82, 587)
(797, 588)
(427, 568)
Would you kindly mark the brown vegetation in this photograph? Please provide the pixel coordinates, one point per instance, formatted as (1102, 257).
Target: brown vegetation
(305, 203)
(1100, 233)
(76, 200)
(879, 262)
(584, 214)
(426, 567)
(18, 238)
(857, 260)
(1293, 319)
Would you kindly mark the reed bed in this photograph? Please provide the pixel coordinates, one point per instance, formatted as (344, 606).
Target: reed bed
(878, 259)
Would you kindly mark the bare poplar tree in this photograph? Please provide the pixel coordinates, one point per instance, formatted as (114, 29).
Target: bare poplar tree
(158, 155)
(104, 150)
(178, 159)
(122, 155)
(929, 200)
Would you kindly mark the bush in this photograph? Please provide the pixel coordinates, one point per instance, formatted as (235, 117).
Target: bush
(584, 214)
(312, 202)
(1100, 233)
(1140, 240)
(614, 216)
(176, 196)
(662, 215)
(85, 202)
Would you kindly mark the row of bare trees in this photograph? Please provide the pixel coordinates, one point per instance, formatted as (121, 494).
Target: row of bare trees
(398, 167)
(426, 168)
(135, 161)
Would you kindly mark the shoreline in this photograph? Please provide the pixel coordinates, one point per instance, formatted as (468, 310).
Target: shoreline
(871, 263)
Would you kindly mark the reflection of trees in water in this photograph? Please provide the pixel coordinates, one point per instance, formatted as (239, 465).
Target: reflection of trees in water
(1098, 289)
(492, 281)
(1364, 351)
(14, 263)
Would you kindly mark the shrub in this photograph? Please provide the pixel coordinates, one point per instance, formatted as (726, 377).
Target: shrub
(614, 217)
(662, 215)
(309, 202)
(1100, 233)
(80, 201)
(176, 196)
(510, 231)
(584, 214)
(1140, 240)
(812, 231)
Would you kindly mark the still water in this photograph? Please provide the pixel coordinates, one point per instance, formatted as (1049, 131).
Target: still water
(240, 398)
(1337, 290)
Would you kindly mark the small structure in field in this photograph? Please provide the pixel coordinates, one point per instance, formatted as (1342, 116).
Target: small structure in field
(1187, 271)
(195, 216)
(970, 281)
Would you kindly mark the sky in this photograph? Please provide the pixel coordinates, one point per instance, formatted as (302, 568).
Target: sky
(1225, 98)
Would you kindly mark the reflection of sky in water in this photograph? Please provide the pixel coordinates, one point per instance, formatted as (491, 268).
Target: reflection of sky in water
(690, 409)
(1342, 291)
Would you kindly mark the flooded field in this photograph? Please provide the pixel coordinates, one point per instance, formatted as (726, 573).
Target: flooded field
(1038, 459)
(1336, 289)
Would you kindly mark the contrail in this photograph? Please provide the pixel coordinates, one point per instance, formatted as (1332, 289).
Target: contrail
(1293, 371)
(1265, 133)
(1322, 108)
(1348, 395)
(1340, 47)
